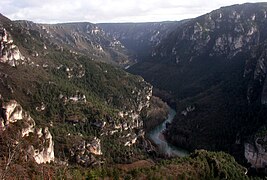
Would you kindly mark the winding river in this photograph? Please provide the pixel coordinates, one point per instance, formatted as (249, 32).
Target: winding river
(156, 135)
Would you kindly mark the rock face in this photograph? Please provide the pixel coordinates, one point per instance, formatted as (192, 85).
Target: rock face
(188, 110)
(140, 38)
(46, 153)
(87, 153)
(38, 142)
(79, 38)
(218, 62)
(9, 52)
(256, 67)
(142, 101)
(256, 155)
(128, 127)
(223, 32)
(256, 151)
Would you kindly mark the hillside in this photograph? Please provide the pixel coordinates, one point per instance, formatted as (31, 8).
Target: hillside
(140, 38)
(82, 102)
(215, 63)
(79, 38)
(70, 111)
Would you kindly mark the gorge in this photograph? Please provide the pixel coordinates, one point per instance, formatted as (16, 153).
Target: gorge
(157, 136)
(86, 94)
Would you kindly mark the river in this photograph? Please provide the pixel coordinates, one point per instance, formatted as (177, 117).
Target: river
(156, 135)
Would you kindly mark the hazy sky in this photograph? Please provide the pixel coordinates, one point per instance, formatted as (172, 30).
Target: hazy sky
(54, 11)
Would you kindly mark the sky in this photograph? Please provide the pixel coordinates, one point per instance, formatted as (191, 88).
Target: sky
(98, 11)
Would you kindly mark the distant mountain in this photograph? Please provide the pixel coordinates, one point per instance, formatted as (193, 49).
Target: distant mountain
(222, 34)
(66, 99)
(140, 38)
(58, 92)
(83, 38)
(215, 66)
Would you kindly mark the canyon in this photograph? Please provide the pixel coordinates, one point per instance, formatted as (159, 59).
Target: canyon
(69, 91)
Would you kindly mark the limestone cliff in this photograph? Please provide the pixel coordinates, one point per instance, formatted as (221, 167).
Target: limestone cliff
(9, 52)
(256, 155)
(37, 143)
(78, 38)
(87, 153)
(224, 32)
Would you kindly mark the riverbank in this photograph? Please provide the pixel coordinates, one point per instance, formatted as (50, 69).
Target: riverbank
(155, 114)
(157, 137)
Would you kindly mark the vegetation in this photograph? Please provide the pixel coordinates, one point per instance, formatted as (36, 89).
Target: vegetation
(218, 90)
(74, 95)
(198, 65)
(199, 165)
(155, 114)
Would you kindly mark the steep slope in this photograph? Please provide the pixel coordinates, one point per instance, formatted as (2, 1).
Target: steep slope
(82, 38)
(92, 109)
(223, 32)
(216, 64)
(19, 131)
(140, 38)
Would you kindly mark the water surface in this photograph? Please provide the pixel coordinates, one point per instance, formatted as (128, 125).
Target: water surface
(156, 135)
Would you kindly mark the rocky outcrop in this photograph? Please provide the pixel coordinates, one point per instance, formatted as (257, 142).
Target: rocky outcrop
(142, 97)
(77, 98)
(38, 142)
(188, 110)
(44, 154)
(202, 62)
(256, 153)
(87, 153)
(224, 32)
(140, 38)
(9, 52)
(128, 127)
(79, 38)
(132, 118)
(256, 68)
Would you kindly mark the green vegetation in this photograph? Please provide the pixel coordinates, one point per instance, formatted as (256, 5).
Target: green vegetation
(75, 95)
(199, 165)
(71, 94)
(199, 64)
(218, 90)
